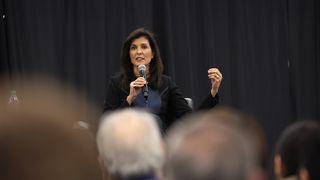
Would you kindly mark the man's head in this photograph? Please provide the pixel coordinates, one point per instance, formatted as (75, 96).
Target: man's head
(40, 137)
(211, 146)
(130, 144)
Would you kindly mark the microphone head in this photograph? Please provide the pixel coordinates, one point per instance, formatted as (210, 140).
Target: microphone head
(142, 69)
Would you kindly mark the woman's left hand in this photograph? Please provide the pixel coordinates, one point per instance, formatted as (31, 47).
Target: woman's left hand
(215, 77)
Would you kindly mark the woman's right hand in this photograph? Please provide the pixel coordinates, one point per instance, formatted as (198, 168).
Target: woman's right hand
(135, 88)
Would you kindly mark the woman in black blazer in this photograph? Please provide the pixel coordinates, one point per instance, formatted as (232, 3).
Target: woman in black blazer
(163, 97)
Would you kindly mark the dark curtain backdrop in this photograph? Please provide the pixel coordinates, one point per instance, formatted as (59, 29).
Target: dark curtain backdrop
(4, 66)
(267, 50)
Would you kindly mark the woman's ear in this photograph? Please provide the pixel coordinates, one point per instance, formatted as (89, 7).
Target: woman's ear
(279, 167)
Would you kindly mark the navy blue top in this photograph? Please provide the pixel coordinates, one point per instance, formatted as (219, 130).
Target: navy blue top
(153, 103)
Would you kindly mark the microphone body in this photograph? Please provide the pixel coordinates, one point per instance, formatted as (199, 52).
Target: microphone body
(142, 71)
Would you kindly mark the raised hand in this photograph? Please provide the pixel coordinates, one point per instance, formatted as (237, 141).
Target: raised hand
(215, 77)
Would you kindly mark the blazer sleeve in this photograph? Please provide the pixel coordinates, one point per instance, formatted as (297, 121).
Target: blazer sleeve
(209, 102)
(177, 104)
(116, 97)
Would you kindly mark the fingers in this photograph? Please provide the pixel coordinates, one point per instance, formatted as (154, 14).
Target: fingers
(215, 78)
(214, 74)
(139, 82)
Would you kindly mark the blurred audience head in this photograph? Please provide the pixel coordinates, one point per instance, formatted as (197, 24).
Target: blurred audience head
(130, 144)
(45, 135)
(297, 151)
(218, 144)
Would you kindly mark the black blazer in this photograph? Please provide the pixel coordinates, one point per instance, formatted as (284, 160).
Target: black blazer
(173, 104)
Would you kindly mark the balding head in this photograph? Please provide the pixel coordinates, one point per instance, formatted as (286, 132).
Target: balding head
(210, 146)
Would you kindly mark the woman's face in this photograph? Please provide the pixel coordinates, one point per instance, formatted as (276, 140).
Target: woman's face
(140, 51)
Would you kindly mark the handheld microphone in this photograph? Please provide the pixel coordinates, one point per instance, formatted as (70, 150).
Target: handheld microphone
(142, 71)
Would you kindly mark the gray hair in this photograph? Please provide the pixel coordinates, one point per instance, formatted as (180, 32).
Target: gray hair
(203, 147)
(130, 143)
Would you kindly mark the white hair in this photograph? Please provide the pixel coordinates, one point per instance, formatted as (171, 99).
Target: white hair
(130, 143)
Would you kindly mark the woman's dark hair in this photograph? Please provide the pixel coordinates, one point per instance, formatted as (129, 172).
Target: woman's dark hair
(155, 66)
